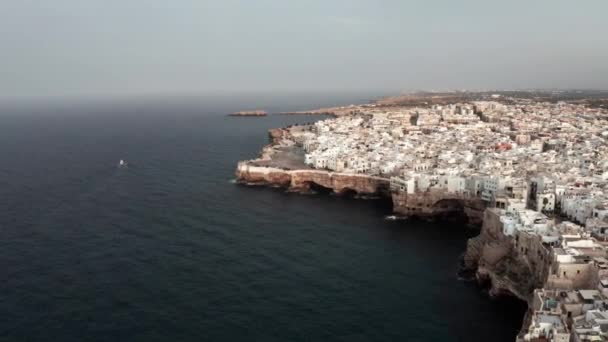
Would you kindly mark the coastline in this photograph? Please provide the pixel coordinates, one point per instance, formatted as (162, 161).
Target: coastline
(517, 252)
(432, 205)
(491, 258)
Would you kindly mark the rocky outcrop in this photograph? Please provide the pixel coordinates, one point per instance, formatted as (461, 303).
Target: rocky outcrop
(306, 180)
(254, 175)
(439, 205)
(507, 265)
(276, 135)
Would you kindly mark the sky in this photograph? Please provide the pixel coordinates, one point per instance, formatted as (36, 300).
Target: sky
(78, 48)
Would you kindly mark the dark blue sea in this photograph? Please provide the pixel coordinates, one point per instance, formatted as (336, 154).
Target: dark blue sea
(171, 249)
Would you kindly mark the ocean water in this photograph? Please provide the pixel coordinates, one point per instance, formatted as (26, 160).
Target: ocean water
(171, 249)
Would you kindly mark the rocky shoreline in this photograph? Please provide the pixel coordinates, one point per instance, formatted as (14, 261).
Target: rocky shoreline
(506, 164)
(490, 258)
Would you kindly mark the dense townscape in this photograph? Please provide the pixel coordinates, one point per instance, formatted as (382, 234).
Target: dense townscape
(541, 168)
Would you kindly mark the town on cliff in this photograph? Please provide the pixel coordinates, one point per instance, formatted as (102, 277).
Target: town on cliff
(530, 169)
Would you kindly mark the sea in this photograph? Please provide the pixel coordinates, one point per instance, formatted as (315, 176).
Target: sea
(170, 248)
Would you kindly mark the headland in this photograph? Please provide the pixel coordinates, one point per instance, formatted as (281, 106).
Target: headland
(530, 173)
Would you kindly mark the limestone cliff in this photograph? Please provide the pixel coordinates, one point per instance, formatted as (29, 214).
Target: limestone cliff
(428, 205)
(339, 183)
(253, 175)
(509, 266)
(440, 205)
(305, 180)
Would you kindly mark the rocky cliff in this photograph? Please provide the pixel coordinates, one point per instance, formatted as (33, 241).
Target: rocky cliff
(306, 180)
(439, 205)
(508, 266)
(432, 204)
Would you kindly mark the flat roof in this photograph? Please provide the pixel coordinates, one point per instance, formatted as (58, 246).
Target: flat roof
(589, 294)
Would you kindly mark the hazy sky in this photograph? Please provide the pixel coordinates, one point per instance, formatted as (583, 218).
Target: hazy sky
(101, 47)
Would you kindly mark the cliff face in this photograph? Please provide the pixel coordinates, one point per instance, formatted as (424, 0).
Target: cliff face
(439, 204)
(433, 204)
(262, 176)
(339, 183)
(509, 266)
(305, 180)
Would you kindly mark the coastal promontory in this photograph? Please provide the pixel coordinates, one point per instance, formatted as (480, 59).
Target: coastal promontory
(532, 175)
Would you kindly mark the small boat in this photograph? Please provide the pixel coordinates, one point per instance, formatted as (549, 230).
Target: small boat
(122, 163)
